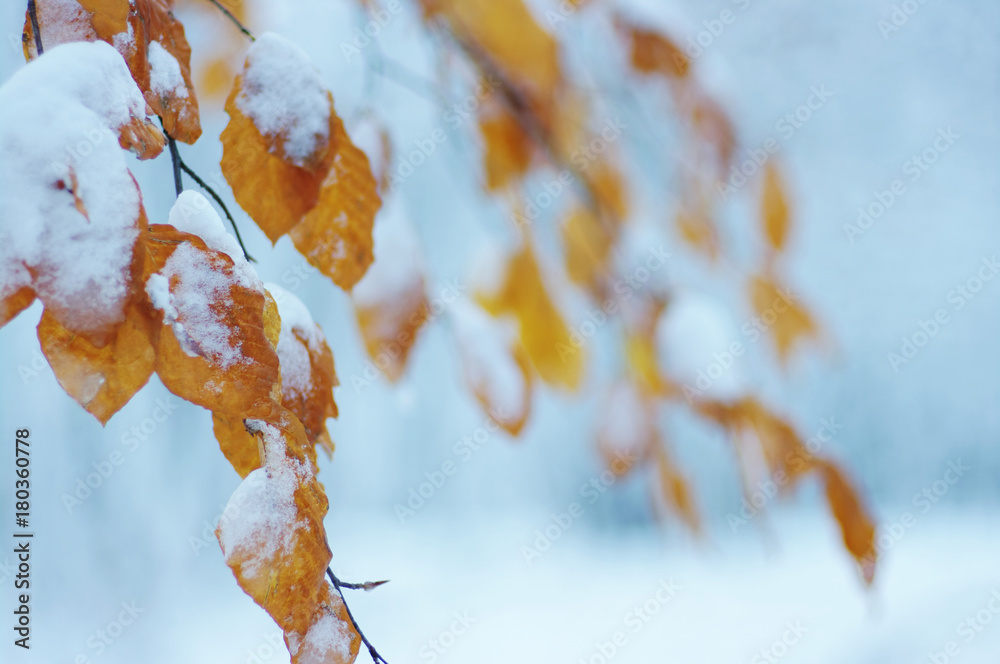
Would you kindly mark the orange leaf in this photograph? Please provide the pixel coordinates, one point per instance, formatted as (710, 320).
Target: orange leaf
(505, 32)
(856, 525)
(653, 52)
(151, 41)
(774, 208)
(674, 489)
(495, 366)
(587, 249)
(212, 349)
(104, 379)
(389, 302)
(307, 371)
(336, 235)
(508, 149)
(547, 338)
(292, 165)
(331, 637)
(272, 534)
(779, 310)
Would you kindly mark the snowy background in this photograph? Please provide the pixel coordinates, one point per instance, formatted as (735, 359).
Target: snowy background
(782, 587)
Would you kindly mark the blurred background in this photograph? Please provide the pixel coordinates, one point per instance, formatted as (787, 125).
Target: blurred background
(906, 91)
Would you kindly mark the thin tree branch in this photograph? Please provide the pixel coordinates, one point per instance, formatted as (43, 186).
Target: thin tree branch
(175, 159)
(215, 196)
(235, 20)
(33, 13)
(338, 584)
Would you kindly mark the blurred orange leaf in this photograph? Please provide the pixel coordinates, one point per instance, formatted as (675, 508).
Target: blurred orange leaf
(774, 208)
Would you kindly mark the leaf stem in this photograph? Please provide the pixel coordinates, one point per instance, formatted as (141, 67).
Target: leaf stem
(33, 13)
(175, 159)
(232, 18)
(338, 584)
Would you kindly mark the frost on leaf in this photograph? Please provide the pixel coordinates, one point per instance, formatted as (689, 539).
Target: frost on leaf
(390, 302)
(547, 338)
(212, 348)
(70, 211)
(293, 167)
(147, 36)
(495, 365)
(330, 639)
(307, 371)
(273, 537)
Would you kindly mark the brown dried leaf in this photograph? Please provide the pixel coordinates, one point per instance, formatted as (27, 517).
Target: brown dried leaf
(273, 537)
(148, 37)
(588, 247)
(316, 646)
(653, 52)
(336, 235)
(546, 337)
(213, 350)
(774, 208)
(505, 32)
(675, 490)
(495, 366)
(780, 311)
(856, 526)
(507, 148)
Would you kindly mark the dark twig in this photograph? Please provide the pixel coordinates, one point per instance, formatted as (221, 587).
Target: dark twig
(217, 199)
(338, 584)
(235, 20)
(33, 13)
(366, 586)
(175, 159)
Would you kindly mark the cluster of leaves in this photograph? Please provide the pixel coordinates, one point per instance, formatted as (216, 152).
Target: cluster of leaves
(124, 298)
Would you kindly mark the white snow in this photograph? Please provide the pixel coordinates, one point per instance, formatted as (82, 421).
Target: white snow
(284, 96)
(165, 78)
(293, 355)
(261, 517)
(68, 204)
(693, 338)
(328, 635)
(192, 213)
(396, 274)
(624, 423)
(484, 345)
